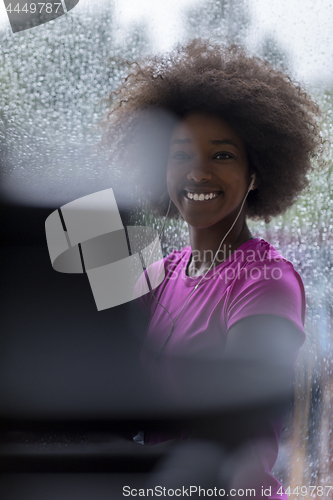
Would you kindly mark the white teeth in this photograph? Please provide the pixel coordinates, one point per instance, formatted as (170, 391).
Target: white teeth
(202, 196)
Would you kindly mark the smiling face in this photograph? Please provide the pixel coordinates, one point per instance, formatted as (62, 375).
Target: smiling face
(207, 172)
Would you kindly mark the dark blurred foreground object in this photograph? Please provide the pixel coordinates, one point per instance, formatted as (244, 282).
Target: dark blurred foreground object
(180, 467)
(72, 394)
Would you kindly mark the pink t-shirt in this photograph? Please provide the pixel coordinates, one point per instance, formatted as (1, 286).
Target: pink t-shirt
(255, 279)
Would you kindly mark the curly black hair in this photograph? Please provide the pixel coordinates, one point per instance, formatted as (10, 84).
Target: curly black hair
(275, 117)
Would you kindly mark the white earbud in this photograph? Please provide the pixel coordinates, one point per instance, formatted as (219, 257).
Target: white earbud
(253, 179)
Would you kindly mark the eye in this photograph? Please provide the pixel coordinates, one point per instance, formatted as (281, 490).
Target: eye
(180, 155)
(223, 156)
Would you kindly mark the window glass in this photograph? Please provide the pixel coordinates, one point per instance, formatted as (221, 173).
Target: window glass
(55, 79)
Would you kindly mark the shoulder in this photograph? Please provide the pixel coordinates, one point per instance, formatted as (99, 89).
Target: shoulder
(159, 270)
(177, 255)
(264, 264)
(266, 283)
(175, 259)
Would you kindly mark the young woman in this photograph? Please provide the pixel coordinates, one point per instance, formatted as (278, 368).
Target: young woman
(235, 143)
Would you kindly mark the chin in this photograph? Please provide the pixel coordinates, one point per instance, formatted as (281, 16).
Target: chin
(200, 224)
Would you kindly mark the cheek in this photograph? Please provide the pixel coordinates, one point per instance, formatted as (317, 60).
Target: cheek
(237, 178)
(171, 178)
(168, 183)
(170, 186)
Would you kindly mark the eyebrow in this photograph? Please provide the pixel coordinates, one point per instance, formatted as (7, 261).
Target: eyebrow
(214, 142)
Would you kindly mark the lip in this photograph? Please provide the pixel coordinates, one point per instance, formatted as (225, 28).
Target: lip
(197, 202)
(201, 191)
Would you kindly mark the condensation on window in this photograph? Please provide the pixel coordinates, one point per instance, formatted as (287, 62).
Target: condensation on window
(55, 80)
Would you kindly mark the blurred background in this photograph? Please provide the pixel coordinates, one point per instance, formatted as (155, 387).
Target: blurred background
(55, 80)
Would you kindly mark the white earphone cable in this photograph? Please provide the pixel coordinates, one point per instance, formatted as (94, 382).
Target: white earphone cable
(196, 287)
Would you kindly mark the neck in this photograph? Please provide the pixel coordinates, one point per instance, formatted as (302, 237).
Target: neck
(206, 241)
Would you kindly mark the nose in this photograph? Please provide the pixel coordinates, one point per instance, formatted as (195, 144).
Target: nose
(199, 173)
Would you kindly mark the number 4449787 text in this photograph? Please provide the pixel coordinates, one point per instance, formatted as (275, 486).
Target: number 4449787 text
(31, 8)
(306, 491)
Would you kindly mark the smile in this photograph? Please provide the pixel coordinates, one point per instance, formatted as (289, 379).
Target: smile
(202, 197)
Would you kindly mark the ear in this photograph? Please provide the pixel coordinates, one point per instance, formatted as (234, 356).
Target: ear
(254, 181)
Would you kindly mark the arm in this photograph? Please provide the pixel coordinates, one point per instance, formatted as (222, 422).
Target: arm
(264, 337)
(263, 340)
